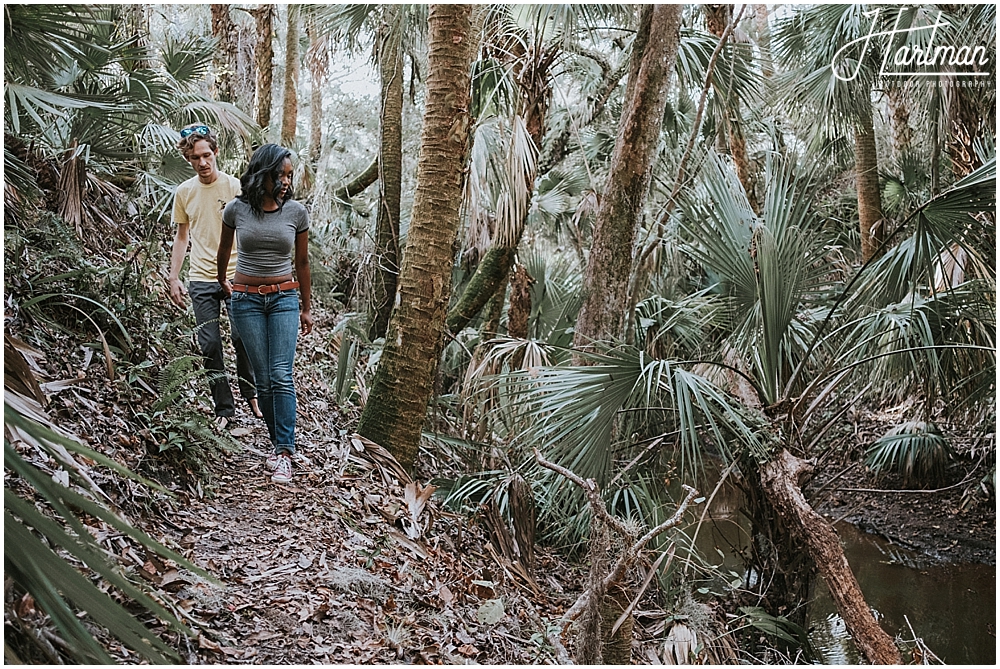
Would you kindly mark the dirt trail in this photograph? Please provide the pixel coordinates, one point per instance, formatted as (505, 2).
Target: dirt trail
(322, 570)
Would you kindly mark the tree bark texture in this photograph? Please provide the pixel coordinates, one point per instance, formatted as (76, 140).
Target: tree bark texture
(718, 17)
(225, 54)
(390, 167)
(781, 479)
(290, 101)
(605, 281)
(317, 60)
(764, 40)
(869, 195)
(520, 303)
(264, 60)
(404, 380)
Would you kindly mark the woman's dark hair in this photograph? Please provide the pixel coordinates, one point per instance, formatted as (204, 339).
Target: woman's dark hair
(266, 162)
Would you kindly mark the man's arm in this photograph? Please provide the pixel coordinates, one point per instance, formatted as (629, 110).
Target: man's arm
(177, 254)
(222, 258)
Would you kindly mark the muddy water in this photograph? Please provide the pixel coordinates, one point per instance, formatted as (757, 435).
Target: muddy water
(952, 607)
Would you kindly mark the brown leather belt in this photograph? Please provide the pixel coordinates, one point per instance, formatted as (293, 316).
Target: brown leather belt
(265, 290)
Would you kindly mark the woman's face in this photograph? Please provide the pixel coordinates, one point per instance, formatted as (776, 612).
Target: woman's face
(284, 185)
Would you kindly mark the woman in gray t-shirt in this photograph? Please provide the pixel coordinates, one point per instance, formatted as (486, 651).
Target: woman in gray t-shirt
(272, 232)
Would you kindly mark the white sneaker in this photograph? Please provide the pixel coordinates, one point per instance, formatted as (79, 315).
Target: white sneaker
(272, 462)
(282, 469)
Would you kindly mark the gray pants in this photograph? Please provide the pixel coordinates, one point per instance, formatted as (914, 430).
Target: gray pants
(206, 298)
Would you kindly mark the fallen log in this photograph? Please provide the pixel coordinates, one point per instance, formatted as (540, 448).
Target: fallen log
(781, 479)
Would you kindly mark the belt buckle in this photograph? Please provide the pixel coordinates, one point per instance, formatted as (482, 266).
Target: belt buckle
(267, 290)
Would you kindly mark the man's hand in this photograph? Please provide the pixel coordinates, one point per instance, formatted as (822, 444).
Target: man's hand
(177, 291)
(305, 322)
(227, 287)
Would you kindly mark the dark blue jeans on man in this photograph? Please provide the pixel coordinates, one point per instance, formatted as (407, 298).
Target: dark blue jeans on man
(207, 298)
(270, 327)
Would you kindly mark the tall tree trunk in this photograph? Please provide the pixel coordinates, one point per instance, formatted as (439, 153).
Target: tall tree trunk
(869, 195)
(390, 57)
(605, 280)
(224, 59)
(264, 59)
(404, 380)
(316, 57)
(902, 133)
(290, 101)
(135, 26)
(764, 40)
(718, 18)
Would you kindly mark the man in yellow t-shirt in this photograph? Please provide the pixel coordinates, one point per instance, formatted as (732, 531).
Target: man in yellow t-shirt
(197, 215)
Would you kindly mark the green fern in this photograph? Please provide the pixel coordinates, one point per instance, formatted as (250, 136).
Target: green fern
(175, 376)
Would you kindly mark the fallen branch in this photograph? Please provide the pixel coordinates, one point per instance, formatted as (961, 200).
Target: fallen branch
(630, 554)
(781, 480)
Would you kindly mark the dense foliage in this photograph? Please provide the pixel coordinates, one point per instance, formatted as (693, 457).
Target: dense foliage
(810, 248)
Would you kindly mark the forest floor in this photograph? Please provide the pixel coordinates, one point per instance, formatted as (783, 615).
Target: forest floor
(953, 520)
(354, 563)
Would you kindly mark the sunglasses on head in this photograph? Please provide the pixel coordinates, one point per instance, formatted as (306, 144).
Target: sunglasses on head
(199, 129)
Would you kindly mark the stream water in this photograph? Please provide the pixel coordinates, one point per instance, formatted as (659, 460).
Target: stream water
(952, 607)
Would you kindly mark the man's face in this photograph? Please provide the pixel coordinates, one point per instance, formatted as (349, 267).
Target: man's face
(202, 159)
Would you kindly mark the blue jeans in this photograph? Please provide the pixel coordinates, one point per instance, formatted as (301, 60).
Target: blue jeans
(269, 325)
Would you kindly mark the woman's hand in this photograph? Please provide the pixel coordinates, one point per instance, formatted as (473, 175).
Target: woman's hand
(305, 322)
(227, 287)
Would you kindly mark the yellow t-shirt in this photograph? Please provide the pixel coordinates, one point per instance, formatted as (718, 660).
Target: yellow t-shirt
(200, 207)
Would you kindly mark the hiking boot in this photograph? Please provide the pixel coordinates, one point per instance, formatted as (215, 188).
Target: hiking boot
(282, 469)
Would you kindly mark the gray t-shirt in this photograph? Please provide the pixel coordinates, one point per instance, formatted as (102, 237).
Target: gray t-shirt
(266, 242)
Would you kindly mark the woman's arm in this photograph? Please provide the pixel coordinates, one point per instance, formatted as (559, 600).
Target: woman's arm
(302, 274)
(222, 259)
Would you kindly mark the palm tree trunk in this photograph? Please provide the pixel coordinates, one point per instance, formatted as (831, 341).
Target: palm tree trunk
(763, 40)
(718, 18)
(290, 102)
(404, 380)
(317, 59)
(390, 57)
(264, 60)
(605, 281)
(869, 196)
(358, 183)
(225, 55)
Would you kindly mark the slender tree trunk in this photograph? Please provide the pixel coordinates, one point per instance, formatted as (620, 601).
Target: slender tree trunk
(718, 18)
(764, 40)
(869, 195)
(225, 55)
(605, 281)
(264, 59)
(902, 133)
(135, 26)
(316, 57)
(404, 380)
(390, 171)
(290, 103)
